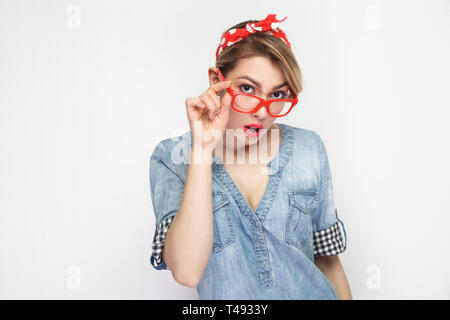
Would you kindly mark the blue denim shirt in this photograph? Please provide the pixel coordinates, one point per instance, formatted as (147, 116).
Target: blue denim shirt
(267, 253)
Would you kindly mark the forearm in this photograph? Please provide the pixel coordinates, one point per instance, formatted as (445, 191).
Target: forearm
(189, 240)
(333, 270)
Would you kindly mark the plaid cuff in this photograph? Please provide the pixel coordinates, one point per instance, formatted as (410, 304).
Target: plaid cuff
(156, 258)
(329, 241)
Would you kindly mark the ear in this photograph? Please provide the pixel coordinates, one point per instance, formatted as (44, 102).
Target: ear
(213, 75)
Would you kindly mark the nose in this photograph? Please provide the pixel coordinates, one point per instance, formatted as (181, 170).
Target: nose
(261, 114)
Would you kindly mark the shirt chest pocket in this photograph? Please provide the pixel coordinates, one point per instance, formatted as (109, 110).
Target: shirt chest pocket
(302, 204)
(224, 234)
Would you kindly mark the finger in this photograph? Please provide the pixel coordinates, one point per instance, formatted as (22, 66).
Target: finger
(209, 102)
(219, 86)
(215, 98)
(194, 102)
(225, 103)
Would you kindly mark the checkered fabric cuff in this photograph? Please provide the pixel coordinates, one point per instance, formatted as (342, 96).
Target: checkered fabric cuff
(329, 241)
(158, 244)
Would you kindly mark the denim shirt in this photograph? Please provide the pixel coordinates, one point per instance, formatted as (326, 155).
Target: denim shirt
(267, 253)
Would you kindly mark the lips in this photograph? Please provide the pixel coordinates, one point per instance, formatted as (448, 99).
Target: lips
(254, 125)
(252, 129)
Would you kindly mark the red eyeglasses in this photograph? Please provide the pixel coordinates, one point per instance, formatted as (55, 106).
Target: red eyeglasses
(248, 103)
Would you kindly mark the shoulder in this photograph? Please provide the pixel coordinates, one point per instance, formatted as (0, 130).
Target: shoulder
(305, 138)
(173, 152)
(165, 147)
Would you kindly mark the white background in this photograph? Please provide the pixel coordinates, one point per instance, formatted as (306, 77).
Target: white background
(88, 88)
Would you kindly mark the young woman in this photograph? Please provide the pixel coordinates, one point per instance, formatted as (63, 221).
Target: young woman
(239, 226)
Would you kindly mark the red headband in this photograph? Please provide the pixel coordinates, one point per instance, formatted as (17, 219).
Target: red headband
(269, 25)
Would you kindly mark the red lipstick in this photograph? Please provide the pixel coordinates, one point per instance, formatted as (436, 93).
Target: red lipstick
(255, 125)
(252, 130)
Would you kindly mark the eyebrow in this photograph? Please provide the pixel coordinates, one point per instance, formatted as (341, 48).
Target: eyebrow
(259, 86)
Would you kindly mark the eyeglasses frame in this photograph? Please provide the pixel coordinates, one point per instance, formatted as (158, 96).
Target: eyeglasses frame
(263, 102)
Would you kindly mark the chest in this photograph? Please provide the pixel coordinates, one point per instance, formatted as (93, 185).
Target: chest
(251, 181)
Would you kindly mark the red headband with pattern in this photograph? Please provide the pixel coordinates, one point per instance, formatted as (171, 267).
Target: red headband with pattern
(268, 25)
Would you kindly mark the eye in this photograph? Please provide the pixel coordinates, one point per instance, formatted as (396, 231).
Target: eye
(245, 87)
(279, 95)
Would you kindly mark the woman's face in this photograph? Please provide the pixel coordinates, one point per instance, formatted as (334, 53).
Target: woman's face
(260, 77)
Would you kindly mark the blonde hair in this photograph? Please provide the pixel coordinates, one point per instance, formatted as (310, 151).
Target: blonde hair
(262, 44)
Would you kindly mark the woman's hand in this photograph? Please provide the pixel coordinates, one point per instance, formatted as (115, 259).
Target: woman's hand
(212, 112)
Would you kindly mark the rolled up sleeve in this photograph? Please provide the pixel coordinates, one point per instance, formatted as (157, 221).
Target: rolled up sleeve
(327, 234)
(166, 189)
